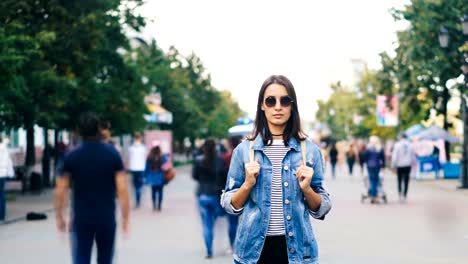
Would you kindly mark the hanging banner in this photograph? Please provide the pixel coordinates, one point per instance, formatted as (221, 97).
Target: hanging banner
(161, 138)
(387, 110)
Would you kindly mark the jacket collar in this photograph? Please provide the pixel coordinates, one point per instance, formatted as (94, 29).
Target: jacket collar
(258, 144)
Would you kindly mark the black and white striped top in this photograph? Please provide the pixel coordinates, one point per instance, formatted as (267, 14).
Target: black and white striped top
(276, 153)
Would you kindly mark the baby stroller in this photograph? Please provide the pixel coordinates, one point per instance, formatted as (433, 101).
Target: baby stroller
(381, 195)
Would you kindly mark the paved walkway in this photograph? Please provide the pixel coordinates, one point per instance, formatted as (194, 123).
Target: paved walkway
(18, 205)
(432, 227)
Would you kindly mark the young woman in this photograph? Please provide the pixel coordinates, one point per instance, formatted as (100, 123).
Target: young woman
(207, 171)
(154, 175)
(275, 192)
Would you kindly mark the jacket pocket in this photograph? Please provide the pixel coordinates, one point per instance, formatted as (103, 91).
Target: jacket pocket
(309, 245)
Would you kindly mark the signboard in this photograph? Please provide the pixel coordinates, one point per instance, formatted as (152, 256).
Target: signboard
(157, 113)
(387, 110)
(161, 138)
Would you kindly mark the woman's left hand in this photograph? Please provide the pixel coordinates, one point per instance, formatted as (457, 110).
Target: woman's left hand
(304, 174)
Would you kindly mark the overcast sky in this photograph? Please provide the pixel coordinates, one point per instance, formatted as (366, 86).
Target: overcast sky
(242, 42)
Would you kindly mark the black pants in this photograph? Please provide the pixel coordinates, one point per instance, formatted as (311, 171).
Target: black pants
(83, 237)
(157, 190)
(403, 179)
(137, 179)
(350, 165)
(274, 250)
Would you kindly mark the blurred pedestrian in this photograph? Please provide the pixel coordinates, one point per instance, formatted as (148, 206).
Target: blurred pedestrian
(436, 155)
(375, 161)
(94, 171)
(136, 163)
(106, 135)
(6, 171)
(233, 220)
(116, 145)
(105, 131)
(154, 175)
(361, 157)
(403, 156)
(207, 171)
(60, 151)
(333, 154)
(351, 158)
(275, 181)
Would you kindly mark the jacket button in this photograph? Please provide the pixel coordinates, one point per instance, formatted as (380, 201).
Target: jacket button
(286, 184)
(290, 234)
(292, 250)
(286, 201)
(286, 167)
(288, 217)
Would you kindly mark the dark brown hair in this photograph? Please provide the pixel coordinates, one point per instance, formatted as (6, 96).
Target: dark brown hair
(154, 158)
(293, 126)
(209, 152)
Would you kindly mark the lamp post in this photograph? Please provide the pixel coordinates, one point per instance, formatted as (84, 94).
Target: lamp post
(464, 109)
(444, 39)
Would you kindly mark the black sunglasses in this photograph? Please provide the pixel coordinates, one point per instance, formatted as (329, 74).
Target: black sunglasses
(285, 101)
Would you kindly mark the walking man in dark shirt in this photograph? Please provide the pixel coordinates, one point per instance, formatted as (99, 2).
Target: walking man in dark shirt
(95, 174)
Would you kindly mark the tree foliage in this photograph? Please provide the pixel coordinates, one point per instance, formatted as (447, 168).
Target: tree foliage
(418, 74)
(60, 58)
(422, 67)
(199, 110)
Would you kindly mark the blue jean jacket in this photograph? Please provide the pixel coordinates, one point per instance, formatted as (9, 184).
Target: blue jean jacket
(254, 219)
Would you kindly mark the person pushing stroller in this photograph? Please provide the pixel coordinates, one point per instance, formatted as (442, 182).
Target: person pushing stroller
(374, 158)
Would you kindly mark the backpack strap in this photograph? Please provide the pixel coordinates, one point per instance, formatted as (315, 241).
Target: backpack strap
(303, 150)
(251, 151)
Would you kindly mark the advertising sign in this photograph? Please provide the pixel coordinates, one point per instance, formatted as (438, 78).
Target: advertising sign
(387, 110)
(161, 138)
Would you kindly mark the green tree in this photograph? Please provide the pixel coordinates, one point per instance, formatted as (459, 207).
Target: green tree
(199, 110)
(63, 58)
(338, 111)
(372, 84)
(224, 116)
(30, 89)
(430, 65)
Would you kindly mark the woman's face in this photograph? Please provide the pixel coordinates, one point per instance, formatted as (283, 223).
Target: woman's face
(277, 107)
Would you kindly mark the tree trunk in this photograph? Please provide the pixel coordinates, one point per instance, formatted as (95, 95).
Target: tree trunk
(445, 99)
(46, 160)
(464, 160)
(56, 140)
(30, 158)
(55, 154)
(192, 148)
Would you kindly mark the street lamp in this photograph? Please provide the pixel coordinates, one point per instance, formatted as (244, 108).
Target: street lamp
(464, 20)
(444, 39)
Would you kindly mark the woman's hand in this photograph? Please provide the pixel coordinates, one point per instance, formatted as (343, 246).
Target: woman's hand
(304, 174)
(252, 169)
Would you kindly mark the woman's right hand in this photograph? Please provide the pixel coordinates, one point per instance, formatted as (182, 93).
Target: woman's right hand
(252, 169)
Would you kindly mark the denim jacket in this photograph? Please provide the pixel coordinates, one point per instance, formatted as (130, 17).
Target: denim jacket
(254, 219)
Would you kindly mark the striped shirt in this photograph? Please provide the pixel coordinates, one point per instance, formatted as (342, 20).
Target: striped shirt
(276, 153)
